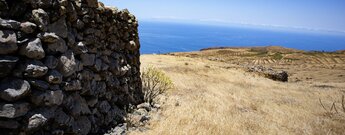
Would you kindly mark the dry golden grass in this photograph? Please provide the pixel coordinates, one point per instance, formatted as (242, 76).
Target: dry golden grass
(209, 99)
(306, 66)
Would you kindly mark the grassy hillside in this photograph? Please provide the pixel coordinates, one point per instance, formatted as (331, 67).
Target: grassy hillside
(301, 65)
(211, 98)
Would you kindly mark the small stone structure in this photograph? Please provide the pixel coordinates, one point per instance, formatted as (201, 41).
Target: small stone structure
(66, 66)
(269, 73)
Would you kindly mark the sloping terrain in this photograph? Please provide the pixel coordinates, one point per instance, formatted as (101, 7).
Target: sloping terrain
(212, 97)
(301, 66)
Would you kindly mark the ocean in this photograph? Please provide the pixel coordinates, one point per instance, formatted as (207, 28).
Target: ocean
(164, 37)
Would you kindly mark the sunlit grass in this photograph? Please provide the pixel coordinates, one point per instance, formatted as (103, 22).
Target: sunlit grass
(215, 100)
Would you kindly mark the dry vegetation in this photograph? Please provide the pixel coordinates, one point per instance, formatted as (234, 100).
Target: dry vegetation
(302, 66)
(211, 98)
(155, 83)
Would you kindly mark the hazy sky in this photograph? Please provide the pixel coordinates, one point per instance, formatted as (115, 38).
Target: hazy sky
(315, 14)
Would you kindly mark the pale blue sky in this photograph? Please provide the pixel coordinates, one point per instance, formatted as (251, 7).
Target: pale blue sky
(313, 14)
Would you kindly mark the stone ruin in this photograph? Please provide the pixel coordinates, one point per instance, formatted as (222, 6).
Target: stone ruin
(66, 66)
(276, 75)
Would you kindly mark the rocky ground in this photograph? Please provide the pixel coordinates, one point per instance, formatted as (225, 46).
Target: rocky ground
(137, 119)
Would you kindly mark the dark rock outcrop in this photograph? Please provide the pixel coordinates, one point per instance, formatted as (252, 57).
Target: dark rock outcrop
(270, 73)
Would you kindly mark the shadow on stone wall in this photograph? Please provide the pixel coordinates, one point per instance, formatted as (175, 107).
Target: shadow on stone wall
(66, 66)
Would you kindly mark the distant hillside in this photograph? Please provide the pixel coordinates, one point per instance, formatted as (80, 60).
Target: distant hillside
(301, 65)
(272, 49)
(275, 49)
(341, 51)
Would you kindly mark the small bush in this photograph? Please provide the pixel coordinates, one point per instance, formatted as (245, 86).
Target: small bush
(277, 56)
(155, 83)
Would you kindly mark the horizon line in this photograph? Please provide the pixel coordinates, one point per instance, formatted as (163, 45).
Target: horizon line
(215, 22)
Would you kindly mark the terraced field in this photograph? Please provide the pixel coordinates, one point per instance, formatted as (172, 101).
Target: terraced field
(301, 65)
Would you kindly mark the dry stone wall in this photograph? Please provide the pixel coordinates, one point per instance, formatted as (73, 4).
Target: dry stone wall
(66, 66)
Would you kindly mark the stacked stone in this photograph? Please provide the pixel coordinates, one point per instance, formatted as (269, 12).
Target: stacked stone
(269, 73)
(66, 66)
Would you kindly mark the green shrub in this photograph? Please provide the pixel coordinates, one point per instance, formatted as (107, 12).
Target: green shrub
(155, 83)
(277, 56)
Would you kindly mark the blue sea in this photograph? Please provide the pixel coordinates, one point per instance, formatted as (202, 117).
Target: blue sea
(165, 37)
